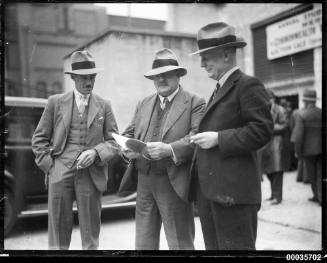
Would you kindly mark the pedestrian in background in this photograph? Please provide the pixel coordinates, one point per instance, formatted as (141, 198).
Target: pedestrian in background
(272, 154)
(287, 152)
(72, 144)
(301, 175)
(307, 141)
(164, 120)
(237, 122)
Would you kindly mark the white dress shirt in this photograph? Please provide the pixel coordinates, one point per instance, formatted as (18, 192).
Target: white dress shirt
(81, 101)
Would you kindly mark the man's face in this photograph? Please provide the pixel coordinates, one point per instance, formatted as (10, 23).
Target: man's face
(84, 83)
(213, 62)
(166, 83)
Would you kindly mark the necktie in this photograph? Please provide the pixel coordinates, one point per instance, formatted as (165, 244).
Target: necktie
(214, 94)
(83, 104)
(164, 104)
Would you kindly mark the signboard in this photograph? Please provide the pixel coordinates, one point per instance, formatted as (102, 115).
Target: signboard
(295, 34)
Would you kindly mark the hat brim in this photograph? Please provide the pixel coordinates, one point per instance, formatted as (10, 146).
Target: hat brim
(150, 74)
(309, 99)
(85, 71)
(237, 44)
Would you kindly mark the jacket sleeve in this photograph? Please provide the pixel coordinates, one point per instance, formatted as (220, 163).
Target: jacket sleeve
(109, 148)
(41, 140)
(183, 149)
(257, 125)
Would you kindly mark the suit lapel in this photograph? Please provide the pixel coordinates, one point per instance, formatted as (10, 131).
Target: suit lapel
(176, 110)
(228, 85)
(93, 110)
(66, 109)
(147, 110)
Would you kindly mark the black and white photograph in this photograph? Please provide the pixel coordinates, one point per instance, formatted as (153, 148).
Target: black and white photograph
(193, 128)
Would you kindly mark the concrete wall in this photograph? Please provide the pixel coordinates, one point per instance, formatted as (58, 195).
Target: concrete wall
(126, 56)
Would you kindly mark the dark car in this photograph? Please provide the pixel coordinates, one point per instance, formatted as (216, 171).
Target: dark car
(24, 184)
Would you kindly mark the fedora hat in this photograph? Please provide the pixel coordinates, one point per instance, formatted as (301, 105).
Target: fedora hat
(309, 95)
(83, 64)
(165, 60)
(217, 35)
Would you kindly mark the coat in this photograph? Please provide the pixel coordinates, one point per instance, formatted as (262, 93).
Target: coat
(183, 118)
(49, 138)
(240, 114)
(273, 157)
(306, 134)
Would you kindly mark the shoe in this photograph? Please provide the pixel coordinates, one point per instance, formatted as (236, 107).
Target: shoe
(313, 199)
(269, 199)
(275, 202)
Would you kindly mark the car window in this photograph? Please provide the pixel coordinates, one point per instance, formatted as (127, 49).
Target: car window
(21, 123)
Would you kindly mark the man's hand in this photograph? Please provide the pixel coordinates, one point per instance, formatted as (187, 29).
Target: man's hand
(86, 158)
(205, 140)
(130, 154)
(158, 150)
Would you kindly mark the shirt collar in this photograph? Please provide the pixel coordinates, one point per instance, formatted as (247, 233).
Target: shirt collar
(79, 96)
(170, 97)
(223, 79)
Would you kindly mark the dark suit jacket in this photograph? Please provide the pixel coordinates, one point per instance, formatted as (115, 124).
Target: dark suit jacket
(306, 133)
(183, 118)
(50, 136)
(240, 113)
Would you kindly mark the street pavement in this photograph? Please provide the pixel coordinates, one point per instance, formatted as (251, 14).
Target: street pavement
(295, 224)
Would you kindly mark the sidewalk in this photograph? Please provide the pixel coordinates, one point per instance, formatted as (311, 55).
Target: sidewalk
(295, 211)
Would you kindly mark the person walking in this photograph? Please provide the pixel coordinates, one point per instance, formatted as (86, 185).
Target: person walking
(306, 137)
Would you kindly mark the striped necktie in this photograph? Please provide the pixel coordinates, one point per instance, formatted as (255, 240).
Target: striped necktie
(164, 103)
(213, 94)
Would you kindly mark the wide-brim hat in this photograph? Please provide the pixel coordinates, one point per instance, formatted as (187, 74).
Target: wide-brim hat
(217, 35)
(83, 64)
(309, 95)
(165, 60)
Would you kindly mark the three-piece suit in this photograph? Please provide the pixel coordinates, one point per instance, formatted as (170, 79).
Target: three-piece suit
(163, 185)
(60, 137)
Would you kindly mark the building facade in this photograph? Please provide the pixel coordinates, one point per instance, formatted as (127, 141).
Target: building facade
(288, 73)
(39, 35)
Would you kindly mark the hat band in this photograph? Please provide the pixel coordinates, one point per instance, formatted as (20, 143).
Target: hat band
(83, 65)
(158, 63)
(213, 42)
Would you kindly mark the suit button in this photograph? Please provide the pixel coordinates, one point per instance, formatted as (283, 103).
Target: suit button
(210, 173)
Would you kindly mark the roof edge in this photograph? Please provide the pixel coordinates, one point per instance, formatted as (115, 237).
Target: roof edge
(115, 29)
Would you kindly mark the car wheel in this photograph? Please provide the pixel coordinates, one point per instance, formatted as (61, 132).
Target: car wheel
(10, 212)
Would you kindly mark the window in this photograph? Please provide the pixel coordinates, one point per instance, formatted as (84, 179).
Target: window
(41, 89)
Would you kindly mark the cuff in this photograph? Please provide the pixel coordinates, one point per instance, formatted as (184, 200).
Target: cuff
(174, 156)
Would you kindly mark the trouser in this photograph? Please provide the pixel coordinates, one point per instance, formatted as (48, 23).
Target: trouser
(299, 177)
(76, 184)
(313, 171)
(227, 228)
(157, 203)
(276, 182)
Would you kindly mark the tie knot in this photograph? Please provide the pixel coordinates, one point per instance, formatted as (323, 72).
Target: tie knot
(165, 100)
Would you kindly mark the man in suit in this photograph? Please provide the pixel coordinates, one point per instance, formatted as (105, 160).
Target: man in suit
(237, 122)
(72, 144)
(164, 120)
(306, 137)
